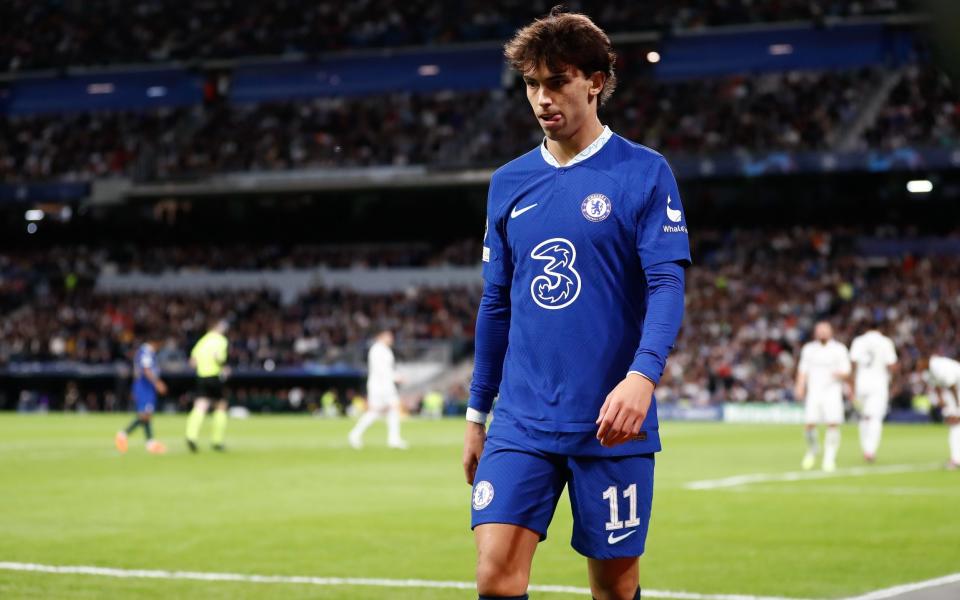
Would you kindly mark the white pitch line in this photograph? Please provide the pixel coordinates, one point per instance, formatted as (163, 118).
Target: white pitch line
(339, 581)
(883, 594)
(739, 480)
(906, 588)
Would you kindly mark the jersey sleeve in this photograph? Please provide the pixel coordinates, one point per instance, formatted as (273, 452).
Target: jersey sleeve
(497, 262)
(804, 366)
(857, 353)
(662, 322)
(146, 360)
(952, 374)
(844, 360)
(222, 348)
(891, 353)
(662, 222)
(490, 347)
(377, 362)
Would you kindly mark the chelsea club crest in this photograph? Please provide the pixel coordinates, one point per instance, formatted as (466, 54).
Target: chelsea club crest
(596, 207)
(482, 495)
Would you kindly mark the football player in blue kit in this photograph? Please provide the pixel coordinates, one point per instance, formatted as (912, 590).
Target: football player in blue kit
(147, 385)
(583, 267)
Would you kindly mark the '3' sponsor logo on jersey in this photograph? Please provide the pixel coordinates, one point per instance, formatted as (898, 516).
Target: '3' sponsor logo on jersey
(559, 283)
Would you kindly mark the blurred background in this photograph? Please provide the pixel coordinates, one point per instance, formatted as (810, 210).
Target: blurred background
(315, 171)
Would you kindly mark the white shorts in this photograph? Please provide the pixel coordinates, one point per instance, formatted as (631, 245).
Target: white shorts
(382, 401)
(828, 410)
(873, 404)
(951, 408)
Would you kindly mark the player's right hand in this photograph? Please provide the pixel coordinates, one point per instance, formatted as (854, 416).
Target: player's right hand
(473, 440)
(161, 388)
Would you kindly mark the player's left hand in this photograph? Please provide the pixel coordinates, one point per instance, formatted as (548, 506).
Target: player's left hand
(624, 410)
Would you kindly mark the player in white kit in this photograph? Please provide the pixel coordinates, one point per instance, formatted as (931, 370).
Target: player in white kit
(382, 395)
(824, 365)
(874, 357)
(944, 375)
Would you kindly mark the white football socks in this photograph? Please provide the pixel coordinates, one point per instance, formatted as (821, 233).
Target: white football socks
(954, 437)
(393, 426)
(813, 445)
(864, 429)
(831, 445)
(871, 431)
(365, 421)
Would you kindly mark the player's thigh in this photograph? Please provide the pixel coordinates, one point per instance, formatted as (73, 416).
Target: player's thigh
(385, 400)
(379, 404)
(611, 500)
(517, 486)
(504, 556)
(951, 406)
(874, 404)
(833, 411)
(813, 411)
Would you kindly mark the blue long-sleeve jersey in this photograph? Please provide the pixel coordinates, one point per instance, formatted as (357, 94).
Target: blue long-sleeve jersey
(583, 269)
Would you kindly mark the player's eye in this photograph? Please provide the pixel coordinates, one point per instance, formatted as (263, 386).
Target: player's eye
(531, 83)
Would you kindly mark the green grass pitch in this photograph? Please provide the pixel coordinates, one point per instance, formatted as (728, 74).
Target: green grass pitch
(291, 498)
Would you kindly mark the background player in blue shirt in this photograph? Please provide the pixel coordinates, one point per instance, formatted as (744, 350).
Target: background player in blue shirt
(147, 385)
(583, 267)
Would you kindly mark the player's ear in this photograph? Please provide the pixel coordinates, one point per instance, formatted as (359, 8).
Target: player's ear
(597, 81)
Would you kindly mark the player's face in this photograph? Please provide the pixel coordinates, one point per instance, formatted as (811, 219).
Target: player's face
(562, 101)
(823, 332)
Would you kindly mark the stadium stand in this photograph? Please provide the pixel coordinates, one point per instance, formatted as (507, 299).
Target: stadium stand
(923, 108)
(811, 106)
(778, 111)
(49, 34)
(751, 301)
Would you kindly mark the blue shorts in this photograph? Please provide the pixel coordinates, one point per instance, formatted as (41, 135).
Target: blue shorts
(610, 496)
(145, 397)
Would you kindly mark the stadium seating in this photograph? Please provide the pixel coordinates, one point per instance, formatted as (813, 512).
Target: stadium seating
(780, 111)
(52, 34)
(752, 298)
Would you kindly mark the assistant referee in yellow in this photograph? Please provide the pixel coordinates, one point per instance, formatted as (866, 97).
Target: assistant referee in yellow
(209, 358)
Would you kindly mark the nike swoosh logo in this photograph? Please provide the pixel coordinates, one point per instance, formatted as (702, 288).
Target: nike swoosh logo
(612, 539)
(516, 213)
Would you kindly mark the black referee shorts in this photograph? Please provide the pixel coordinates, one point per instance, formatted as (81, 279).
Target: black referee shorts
(210, 387)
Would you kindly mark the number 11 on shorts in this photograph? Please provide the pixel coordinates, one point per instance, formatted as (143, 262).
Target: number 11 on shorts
(630, 494)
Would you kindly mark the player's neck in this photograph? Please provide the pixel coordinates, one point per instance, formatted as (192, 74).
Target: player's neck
(565, 150)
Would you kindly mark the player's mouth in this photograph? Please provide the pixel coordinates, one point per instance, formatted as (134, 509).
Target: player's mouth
(551, 121)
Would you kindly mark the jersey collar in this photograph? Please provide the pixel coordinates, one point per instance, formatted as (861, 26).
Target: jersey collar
(586, 153)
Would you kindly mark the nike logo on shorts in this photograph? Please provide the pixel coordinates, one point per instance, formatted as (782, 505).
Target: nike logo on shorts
(516, 213)
(613, 539)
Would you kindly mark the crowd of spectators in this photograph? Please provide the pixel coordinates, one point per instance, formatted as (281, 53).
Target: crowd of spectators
(26, 273)
(752, 300)
(324, 325)
(783, 111)
(46, 34)
(924, 108)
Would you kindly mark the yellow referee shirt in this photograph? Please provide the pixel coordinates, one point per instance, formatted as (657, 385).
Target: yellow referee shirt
(210, 354)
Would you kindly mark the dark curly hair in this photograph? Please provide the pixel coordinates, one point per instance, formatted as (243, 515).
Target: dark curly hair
(561, 39)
